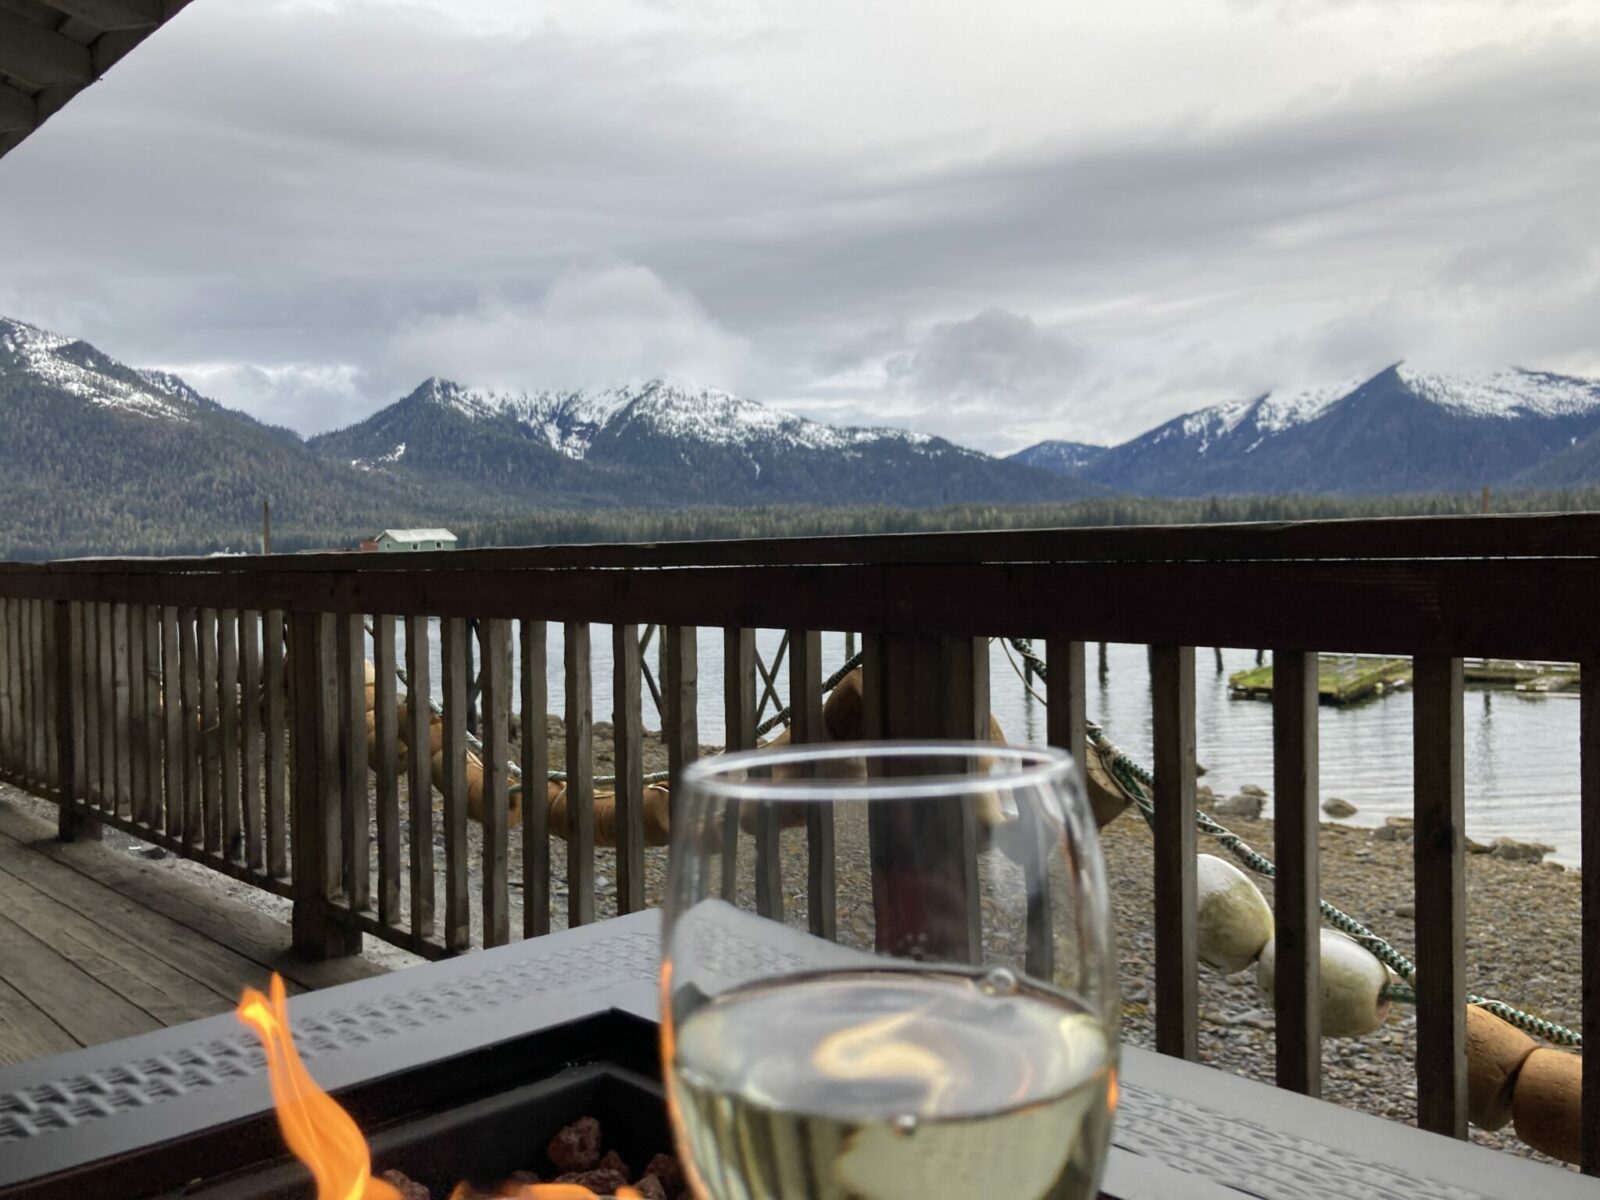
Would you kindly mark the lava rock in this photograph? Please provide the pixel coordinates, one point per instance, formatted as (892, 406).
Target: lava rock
(577, 1147)
(408, 1188)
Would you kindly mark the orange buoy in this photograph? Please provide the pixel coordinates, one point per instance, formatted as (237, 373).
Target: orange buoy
(1496, 1050)
(1547, 1103)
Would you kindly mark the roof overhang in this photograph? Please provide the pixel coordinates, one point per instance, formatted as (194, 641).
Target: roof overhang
(50, 50)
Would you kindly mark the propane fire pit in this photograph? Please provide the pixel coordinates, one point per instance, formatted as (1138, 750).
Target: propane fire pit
(465, 1070)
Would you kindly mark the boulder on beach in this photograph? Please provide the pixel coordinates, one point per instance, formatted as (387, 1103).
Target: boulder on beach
(1337, 808)
(1512, 850)
(1251, 789)
(1241, 804)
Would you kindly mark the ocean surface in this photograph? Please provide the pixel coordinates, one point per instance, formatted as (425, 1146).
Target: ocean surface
(1521, 751)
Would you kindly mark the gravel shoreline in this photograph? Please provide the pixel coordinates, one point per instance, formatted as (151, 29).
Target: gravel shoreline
(1523, 943)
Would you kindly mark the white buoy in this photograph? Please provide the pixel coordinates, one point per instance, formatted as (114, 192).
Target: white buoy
(1231, 915)
(1352, 985)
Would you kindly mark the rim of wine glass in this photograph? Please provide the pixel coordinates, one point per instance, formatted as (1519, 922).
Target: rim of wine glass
(1030, 766)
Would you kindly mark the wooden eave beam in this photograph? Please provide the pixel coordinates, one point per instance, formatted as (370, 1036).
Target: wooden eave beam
(112, 14)
(18, 111)
(38, 57)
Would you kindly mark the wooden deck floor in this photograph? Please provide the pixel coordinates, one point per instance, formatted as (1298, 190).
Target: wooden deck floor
(96, 945)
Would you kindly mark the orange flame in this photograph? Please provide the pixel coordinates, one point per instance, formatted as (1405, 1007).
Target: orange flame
(325, 1137)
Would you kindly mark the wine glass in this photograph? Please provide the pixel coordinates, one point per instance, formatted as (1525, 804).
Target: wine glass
(888, 973)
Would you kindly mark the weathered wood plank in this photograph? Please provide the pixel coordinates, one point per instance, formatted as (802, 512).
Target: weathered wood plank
(1446, 606)
(228, 706)
(39, 971)
(113, 14)
(172, 742)
(627, 737)
(26, 1030)
(681, 731)
(138, 746)
(385, 738)
(106, 712)
(38, 57)
(314, 808)
(1067, 690)
(354, 806)
(132, 971)
(580, 776)
(805, 726)
(189, 698)
(453, 664)
(535, 763)
(1177, 979)
(1297, 887)
(66, 744)
(251, 704)
(419, 773)
(739, 718)
(496, 783)
(150, 631)
(121, 715)
(1589, 801)
(166, 916)
(924, 857)
(275, 774)
(1439, 853)
(8, 666)
(210, 756)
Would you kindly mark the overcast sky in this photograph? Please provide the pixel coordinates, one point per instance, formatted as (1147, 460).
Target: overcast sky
(995, 221)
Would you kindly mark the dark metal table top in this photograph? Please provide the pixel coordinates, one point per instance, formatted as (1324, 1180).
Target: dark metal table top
(1181, 1130)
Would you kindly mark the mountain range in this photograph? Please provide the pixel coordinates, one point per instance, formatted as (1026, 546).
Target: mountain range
(97, 456)
(1403, 430)
(661, 443)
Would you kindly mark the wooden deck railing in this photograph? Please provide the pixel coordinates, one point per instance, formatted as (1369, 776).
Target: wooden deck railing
(119, 682)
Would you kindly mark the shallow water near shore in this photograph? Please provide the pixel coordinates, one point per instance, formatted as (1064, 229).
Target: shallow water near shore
(1521, 751)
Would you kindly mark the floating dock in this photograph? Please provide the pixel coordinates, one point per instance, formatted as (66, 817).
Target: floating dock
(1347, 678)
(1341, 678)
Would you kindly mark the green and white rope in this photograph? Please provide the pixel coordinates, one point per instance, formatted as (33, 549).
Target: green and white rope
(1137, 781)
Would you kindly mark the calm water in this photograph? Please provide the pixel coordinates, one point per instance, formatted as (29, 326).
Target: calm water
(1522, 753)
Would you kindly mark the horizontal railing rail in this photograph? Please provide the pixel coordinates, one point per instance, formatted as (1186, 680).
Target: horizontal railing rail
(222, 707)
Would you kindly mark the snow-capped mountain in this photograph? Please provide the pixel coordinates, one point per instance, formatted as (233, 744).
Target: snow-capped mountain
(1403, 430)
(658, 442)
(78, 369)
(97, 456)
(1064, 458)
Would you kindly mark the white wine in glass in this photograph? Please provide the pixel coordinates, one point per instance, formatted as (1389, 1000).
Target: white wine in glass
(955, 1035)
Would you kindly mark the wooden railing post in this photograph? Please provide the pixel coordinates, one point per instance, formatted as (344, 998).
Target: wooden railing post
(918, 686)
(314, 790)
(739, 719)
(805, 716)
(1589, 791)
(580, 776)
(495, 695)
(681, 687)
(1439, 852)
(628, 760)
(1297, 996)
(1177, 971)
(71, 825)
(535, 765)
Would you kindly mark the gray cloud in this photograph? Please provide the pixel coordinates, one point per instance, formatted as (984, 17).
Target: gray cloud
(994, 230)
